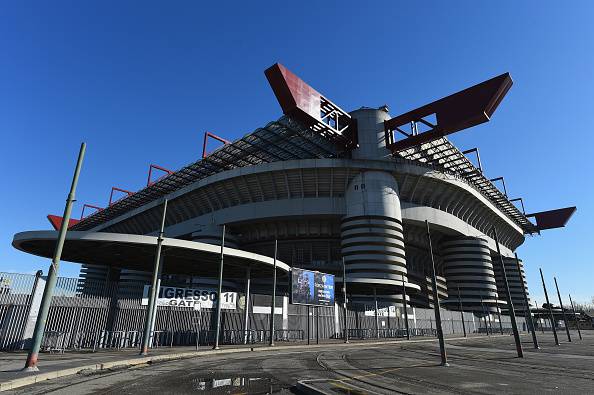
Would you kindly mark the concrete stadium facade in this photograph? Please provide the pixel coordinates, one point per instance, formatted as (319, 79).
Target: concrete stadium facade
(368, 208)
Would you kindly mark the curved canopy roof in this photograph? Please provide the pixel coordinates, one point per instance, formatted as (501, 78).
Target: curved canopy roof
(137, 252)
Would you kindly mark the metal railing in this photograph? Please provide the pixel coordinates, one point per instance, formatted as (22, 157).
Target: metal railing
(369, 333)
(57, 341)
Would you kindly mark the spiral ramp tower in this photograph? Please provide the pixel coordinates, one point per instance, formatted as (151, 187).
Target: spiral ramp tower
(515, 279)
(468, 269)
(372, 239)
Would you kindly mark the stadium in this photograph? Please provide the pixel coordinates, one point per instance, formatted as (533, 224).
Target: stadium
(352, 194)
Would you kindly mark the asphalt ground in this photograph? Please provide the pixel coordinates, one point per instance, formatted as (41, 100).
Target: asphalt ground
(478, 365)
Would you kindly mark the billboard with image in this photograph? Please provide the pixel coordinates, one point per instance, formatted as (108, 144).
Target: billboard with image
(312, 288)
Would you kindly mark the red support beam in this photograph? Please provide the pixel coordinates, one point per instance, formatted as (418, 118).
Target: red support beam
(82, 214)
(303, 103)
(116, 189)
(553, 219)
(462, 110)
(56, 221)
(213, 136)
(150, 173)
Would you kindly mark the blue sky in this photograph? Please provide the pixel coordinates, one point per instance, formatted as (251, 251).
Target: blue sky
(141, 81)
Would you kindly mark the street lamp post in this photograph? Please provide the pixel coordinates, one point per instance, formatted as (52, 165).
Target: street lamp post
(52, 276)
(444, 358)
(544, 287)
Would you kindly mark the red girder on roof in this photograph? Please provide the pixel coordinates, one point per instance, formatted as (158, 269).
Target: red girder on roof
(213, 136)
(552, 219)
(156, 167)
(462, 110)
(113, 189)
(88, 206)
(303, 103)
(56, 221)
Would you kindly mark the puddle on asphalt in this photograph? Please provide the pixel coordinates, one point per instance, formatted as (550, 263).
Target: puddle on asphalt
(235, 385)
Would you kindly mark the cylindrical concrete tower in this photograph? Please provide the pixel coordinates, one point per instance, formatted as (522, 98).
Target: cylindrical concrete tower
(468, 267)
(371, 231)
(371, 134)
(516, 280)
(372, 240)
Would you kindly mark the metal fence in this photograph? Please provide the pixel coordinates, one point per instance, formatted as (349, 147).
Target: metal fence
(94, 315)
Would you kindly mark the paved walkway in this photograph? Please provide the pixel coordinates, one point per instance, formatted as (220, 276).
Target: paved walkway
(54, 365)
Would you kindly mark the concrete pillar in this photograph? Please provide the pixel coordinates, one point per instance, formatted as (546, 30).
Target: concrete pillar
(36, 296)
(285, 312)
(336, 320)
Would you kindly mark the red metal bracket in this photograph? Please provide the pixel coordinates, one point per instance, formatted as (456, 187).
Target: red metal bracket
(213, 136)
(462, 110)
(302, 102)
(82, 214)
(553, 218)
(151, 167)
(113, 189)
(56, 221)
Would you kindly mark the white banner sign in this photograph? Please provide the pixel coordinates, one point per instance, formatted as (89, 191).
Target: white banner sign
(190, 297)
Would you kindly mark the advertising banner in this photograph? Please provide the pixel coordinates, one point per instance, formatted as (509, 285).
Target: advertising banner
(312, 288)
(190, 297)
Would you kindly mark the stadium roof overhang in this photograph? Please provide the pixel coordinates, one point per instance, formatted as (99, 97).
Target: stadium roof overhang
(137, 252)
(314, 127)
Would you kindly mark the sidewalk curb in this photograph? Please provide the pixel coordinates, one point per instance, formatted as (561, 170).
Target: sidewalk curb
(39, 377)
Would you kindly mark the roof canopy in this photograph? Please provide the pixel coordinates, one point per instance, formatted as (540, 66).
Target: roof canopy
(137, 252)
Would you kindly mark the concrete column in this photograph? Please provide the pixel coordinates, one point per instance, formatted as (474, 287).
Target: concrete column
(153, 321)
(285, 312)
(36, 296)
(336, 320)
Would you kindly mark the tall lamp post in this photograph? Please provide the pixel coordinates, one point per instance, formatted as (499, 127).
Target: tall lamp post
(273, 302)
(527, 311)
(544, 287)
(220, 289)
(562, 310)
(444, 358)
(52, 276)
(152, 305)
(510, 306)
(577, 321)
